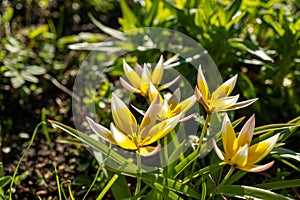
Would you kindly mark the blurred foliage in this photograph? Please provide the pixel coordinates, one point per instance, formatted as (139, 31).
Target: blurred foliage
(257, 39)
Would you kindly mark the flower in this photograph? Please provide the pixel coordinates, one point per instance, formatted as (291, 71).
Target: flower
(139, 78)
(128, 134)
(172, 106)
(219, 100)
(239, 152)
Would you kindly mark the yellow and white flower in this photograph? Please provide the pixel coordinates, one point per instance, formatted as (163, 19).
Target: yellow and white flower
(128, 134)
(139, 78)
(239, 152)
(219, 100)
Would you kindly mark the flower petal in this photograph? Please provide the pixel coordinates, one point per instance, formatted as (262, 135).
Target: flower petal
(175, 98)
(149, 150)
(123, 118)
(144, 85)
(153, 92)
(258, 151)
(166, 85)
(242, 104)
(228, 137)
(223, 103)
(225, 89)
(129, 87)
(158, 71)
(257, 168)
(217, 150)
(138, 69)
(202, 84)
(121, 139)
(160, 130)
(245, 135)
(202, 100)
(241, 157)
(149, 118)
(132, 76)
(100, 130)
(186, 104)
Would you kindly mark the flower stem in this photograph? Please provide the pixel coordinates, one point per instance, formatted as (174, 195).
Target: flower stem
(139, 171)
(204, 130)
(229, 173)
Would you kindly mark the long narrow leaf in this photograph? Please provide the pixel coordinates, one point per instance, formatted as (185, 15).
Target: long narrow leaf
(93, 143)
(280, 184)
(247, 192)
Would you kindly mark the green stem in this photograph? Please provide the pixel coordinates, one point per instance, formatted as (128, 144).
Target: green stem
(229, 173)
(204, 130)
(19, 163)
(139, 171)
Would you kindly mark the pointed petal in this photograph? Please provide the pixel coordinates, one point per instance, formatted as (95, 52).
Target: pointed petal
(149, 150)
(123, 118)
(140, 111)
(186, 104)
(187, 117)
(202, 100)
(241, 157)
(100, 130)
(153, 92)
(144, 86)
(225, 89)
(228, 137)
(175, 98)
(129, 87)
(149, 118)
(222, 104)
(160, 130)
(121, 139)
(217, 150)
(138, 69)
(166, 85)
(257, 168)
(242, 104)
(202, 84)
(132, 76)
(258, 151)
(158, 71)
(164, 112)
(245, 136)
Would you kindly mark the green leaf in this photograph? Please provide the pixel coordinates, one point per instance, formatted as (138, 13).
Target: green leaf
(29, 77)
(171, 184)
(35, 70)
(4, 181)
(247, 192)
(273, 127)
(232, 9)
(246, 86)
(167, 194)
(152, 13)
(280, 184)
(120, 188)
(9, 12)
(286, 153)
(38, 31)
(95, 144)
(250, 47)
(17, 81)
(112, 32)
(129, 20)
(21, 177)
